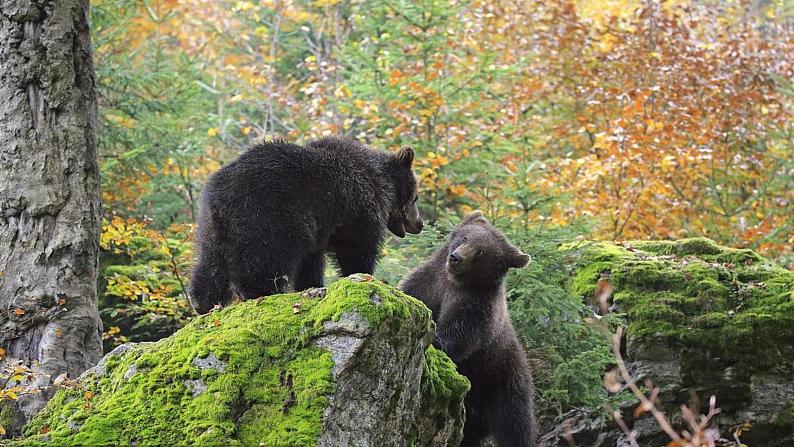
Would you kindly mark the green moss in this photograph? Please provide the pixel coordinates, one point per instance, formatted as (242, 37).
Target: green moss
(111, 363)
(442, 391)
(273, 390)
(729, 303)
(441, 380)
(694, 246)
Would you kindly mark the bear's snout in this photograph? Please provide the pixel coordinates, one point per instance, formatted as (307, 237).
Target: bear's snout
(414, 227)
(459, 261)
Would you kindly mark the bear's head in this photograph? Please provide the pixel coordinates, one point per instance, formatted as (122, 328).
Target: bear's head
(481, 254)
(404, 215)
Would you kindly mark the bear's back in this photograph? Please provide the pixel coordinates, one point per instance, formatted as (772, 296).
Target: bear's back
(327, 183)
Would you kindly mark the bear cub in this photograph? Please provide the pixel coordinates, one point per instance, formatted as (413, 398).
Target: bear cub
(268, 218)
(463, 284)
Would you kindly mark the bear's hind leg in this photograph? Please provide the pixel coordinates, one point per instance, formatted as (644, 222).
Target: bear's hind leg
(474, 429)
(254, 275)
(515, 426)
(209, 283)
(311, 272)
(357, 255)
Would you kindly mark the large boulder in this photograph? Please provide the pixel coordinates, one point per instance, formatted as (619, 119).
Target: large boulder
(350, 368)
(702, 320)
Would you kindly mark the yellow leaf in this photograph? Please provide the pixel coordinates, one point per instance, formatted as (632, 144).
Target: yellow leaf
(342, 92)
(212, 131)
(457, 190)
(246, 130)
(2, 431)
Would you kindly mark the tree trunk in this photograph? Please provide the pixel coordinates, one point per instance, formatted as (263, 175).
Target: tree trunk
(49, 198)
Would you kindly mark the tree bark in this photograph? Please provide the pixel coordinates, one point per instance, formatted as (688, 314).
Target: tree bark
(49, 197)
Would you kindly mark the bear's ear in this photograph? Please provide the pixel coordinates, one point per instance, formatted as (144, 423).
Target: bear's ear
(406, 156)
(517, 258)
(475, 216)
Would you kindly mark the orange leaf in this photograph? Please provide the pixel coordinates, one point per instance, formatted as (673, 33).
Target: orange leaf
(19, 311)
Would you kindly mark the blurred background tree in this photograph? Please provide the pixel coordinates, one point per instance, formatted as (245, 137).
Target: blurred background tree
(562, 119)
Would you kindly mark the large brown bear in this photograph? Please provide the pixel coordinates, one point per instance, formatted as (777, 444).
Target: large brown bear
(268, 218)
(463, 285)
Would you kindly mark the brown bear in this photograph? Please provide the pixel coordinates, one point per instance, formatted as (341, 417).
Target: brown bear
(463, 284)
(268, 218)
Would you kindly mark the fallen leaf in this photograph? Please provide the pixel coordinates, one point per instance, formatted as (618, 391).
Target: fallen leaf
(216, 322)
(604, 291)
(19, 311)
(612, 381)
(60, 379)
(642, 408)
(296, 308)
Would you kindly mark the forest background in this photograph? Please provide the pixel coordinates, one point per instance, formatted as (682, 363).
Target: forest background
(563, 120)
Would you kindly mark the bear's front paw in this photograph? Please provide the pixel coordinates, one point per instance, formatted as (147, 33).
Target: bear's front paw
(317, 292)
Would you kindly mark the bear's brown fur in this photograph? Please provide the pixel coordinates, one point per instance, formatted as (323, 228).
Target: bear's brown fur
(463, 285)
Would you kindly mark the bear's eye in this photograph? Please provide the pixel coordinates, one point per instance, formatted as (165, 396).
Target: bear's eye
(465, 239)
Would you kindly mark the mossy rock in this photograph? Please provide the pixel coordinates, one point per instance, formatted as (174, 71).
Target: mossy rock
(705, 318)
(352, 368)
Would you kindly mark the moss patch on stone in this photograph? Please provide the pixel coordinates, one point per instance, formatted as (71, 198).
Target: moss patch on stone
(271, 389)
(441, 380)
(442, 392)
(725, 310)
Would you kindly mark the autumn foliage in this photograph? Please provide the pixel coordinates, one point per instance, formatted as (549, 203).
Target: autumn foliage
(646, 119)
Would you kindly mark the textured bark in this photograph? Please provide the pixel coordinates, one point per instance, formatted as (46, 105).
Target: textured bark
(49, 194)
